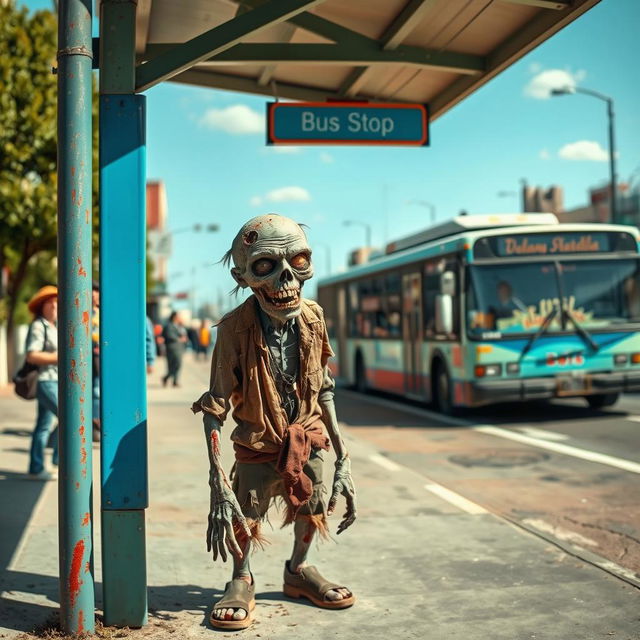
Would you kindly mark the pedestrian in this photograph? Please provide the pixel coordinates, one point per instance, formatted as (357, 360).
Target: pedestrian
(175, 339)
(204, 340)
(150, 345)
(42, 350)
(95, 359)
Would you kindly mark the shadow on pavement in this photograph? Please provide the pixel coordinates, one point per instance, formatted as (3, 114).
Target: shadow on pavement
(18, 497)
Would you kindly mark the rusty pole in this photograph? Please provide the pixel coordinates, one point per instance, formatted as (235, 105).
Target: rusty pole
(74, 326)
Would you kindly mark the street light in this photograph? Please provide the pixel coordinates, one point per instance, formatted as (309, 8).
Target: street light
(427, 205)
(367, 228)
(612, 151)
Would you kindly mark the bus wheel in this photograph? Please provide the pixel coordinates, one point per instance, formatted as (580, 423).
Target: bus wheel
(442, 390)
(602, 400)
(361, 375)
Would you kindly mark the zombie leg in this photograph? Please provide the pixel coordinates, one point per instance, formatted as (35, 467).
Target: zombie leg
(241, 571)
(305, 529)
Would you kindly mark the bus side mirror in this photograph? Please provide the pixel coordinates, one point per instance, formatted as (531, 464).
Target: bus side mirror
(444, 314)
(448, 283)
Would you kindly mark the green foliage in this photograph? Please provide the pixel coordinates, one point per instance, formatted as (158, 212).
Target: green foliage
(27, 131)
(28, 155)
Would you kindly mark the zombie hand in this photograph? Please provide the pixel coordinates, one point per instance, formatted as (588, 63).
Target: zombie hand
(224, 509)
(223, 512)
(343, 485)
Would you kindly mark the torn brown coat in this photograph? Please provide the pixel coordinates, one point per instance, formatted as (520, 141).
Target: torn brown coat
(241, 376)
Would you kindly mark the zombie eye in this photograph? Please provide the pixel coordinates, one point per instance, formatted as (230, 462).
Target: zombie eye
(301, 261)
(263, 267)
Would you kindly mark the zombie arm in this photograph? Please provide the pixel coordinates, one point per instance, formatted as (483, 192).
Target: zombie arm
(224, 509)
(342, 481)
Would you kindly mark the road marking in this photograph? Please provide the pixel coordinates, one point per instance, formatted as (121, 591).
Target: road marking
(559, 532)
(565, 449)
(633, 418)
(540, 433)
(384, 462)
(455, 499)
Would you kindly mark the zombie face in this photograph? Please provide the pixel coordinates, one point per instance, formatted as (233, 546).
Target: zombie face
(272, 257)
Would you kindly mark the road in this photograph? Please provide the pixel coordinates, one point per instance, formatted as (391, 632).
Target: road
(560, 470)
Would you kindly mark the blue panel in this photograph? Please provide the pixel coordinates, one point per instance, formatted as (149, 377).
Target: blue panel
(122, 302)
(124, 568)
(347, 123)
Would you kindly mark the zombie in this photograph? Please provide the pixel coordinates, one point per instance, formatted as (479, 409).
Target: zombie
(270, 363)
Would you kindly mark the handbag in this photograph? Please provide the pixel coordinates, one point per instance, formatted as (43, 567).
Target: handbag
(25, 380)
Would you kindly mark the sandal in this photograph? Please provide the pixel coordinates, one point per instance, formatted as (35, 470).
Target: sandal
(238, 594)
(311, 585)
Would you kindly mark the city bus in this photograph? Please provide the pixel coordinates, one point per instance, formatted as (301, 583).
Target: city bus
(492, 308)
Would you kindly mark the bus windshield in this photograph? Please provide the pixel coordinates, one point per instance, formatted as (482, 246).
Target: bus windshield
(516, 298)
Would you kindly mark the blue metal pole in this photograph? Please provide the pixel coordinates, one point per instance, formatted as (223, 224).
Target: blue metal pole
(123, 369)
(74, 351)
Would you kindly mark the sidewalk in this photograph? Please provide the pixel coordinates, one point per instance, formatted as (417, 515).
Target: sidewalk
(420, 567)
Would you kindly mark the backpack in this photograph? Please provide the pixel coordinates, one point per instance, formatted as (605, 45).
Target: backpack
(25, 380)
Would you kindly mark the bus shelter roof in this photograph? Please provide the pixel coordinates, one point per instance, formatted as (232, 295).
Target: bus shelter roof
(433, 52)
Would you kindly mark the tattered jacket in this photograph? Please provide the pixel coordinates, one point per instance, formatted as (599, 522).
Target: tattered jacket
(241, 376)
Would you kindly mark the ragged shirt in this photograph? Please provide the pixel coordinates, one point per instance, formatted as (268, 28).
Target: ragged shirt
(241, 375)
(284, 350)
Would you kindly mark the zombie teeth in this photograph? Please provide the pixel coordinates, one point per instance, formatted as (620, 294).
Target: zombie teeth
(283, 298)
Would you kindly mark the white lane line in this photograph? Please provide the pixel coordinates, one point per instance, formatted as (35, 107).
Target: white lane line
(559, 532)
(565, 449)
(542, 434)
(633, 418)
(455, 499)
(384, 462)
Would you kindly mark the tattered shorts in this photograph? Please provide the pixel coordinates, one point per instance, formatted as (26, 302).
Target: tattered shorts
(258, 485)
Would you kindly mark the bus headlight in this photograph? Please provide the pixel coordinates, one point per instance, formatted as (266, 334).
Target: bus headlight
(488, 370)
(513, 368)
(620, 358)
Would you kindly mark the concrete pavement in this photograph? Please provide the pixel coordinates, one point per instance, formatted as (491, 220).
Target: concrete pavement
(421, 566)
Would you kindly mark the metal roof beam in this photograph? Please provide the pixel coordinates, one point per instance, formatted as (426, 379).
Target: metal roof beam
(278, 53)
(400, 28)
(216, 40)
(249, 85)
(320, 26)
(406, 22)
(558, 5)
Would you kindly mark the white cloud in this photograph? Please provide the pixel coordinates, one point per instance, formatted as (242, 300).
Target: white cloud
(238, 119)
(584, 150)
(288, 194)
(325, 157)
(283, 194)
(535, 67)
(544, 154)
(540, 85)
(284, 149)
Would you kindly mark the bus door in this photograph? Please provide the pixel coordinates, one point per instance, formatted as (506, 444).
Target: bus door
(412, 333)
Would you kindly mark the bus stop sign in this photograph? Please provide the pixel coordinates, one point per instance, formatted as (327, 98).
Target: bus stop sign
(341, 123)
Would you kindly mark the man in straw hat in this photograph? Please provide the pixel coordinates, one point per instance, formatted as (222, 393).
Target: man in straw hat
(42, 350)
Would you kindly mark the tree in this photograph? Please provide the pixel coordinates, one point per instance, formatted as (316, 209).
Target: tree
(28, 162)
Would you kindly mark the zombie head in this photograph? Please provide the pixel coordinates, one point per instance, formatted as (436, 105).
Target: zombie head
(271, 256)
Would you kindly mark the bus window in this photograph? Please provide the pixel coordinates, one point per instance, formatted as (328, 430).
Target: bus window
(393, 305)
(512, 298)
(601, 292)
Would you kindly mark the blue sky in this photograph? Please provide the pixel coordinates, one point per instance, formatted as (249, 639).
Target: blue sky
(485, 145)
